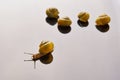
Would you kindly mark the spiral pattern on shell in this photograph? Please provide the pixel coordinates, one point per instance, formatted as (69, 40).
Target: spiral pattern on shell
(83, 16)
(46, 47)
(52, 12)
(103, 19)
(64, 21)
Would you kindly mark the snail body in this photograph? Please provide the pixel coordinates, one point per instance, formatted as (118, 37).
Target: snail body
(64, 21)
(83, 16)
(37, 56)
(103, 19)
(52, 12)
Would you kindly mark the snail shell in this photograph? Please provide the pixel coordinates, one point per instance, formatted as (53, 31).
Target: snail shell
(64, 21)
(83, 16)
(103, 19)
(52, 12)
(46, 47)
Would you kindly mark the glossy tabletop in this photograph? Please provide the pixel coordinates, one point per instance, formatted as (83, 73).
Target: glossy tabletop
(82, 52)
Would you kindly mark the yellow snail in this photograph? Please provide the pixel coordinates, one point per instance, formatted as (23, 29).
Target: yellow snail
(102, 19)
(83, 16)
(52, 12)
(45, 48)
(64, 21)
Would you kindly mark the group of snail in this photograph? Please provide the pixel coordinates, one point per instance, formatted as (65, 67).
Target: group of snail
(46, 47)
(82, 16)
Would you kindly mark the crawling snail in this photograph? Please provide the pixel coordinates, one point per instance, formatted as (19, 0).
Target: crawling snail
(52, 12)
(64, 21)
(45, 50)
(102, 20)
(83, 16)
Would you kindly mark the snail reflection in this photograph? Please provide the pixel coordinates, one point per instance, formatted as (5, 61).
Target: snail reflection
(47, 59)
(64, 29)
(51, 21)
(82, 24)
(103, 28)
(44, 54)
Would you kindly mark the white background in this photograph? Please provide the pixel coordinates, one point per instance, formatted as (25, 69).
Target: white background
(82, 54)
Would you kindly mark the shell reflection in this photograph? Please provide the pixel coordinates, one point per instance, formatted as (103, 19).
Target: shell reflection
(64, 29)
(47, 59)
(51, 21)
(103, 28)
(82, 24)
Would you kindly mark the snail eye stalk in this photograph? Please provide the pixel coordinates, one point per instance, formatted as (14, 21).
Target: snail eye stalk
(28, 60)
(34, 64)
(28, 53)
(31, 59)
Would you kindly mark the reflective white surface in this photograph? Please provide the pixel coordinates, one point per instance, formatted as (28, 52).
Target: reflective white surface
(84, 53)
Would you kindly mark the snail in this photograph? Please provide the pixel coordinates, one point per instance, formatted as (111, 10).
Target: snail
(83, 16)
(64, 21)
(103, 19)
(52, 12)
(45, 48)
